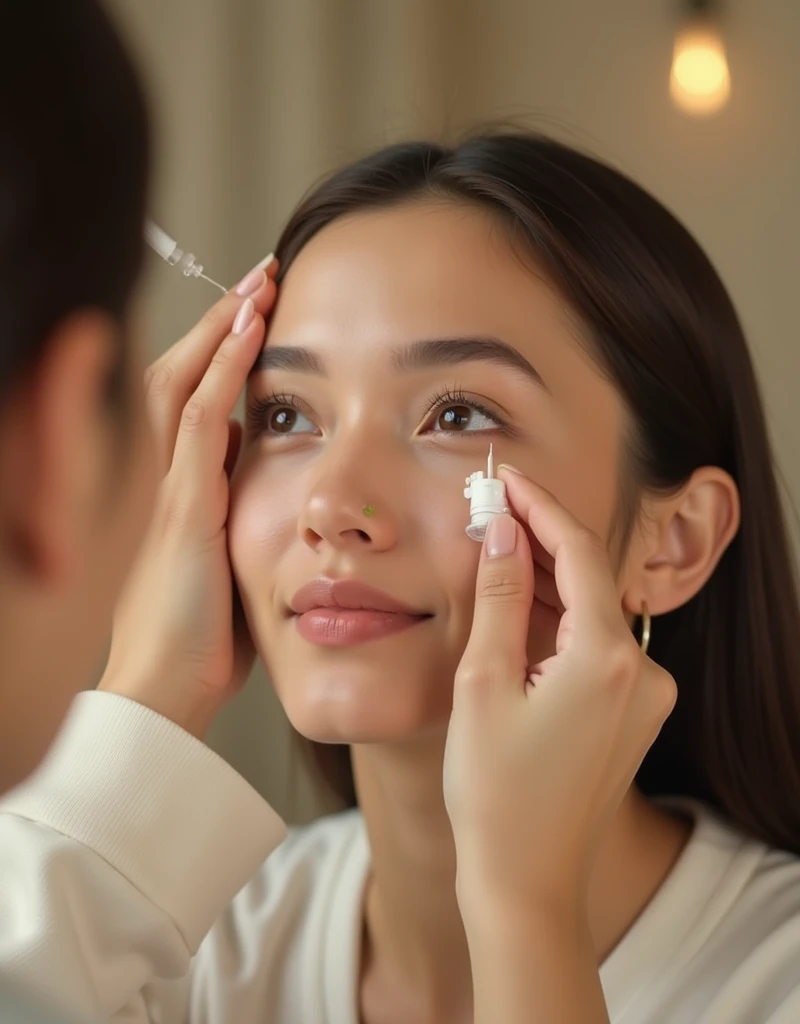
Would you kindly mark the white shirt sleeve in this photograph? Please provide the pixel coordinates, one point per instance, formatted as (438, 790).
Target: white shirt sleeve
(789, 1010)
(117, 856)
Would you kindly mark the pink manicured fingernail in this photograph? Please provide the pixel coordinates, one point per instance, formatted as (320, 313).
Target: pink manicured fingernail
(244, 317)
(501, 537)
(251, 282)
(265, 263)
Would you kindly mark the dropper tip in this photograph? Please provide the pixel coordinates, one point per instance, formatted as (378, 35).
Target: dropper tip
(490, 463)
(216, 284)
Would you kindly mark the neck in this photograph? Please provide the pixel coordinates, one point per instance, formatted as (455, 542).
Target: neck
(414, 933)
(414, 928)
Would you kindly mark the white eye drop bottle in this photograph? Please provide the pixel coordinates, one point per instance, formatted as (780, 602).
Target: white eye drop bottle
(487, 499)
(168, 249)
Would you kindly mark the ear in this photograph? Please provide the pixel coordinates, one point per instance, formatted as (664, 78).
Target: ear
(680, 542)
(52, 440)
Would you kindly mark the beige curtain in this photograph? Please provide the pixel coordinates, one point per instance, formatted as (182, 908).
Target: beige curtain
(256, 99)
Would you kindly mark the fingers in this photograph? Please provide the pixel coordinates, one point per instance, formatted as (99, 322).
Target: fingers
(202, 447)
(496, 653)
(653, 702)
(582, 571)
(173, 378)
(641, 710)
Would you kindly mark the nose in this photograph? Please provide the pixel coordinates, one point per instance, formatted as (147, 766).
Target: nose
(344, 513)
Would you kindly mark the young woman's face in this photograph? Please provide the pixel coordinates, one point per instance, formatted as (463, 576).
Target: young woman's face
(403, 343)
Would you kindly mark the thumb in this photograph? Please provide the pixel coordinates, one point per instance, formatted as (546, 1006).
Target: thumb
(496, 654)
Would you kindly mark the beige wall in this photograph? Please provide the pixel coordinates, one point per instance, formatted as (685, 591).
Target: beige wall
(257, 98)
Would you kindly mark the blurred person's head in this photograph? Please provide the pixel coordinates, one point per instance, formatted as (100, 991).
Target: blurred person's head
(74, 482)
(515, 291)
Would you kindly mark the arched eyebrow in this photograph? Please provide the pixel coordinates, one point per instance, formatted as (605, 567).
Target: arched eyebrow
(418, 355)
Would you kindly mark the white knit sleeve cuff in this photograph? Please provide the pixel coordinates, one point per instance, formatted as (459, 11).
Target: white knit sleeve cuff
(154, 802)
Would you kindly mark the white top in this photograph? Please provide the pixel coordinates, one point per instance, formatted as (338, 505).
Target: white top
(121, 863)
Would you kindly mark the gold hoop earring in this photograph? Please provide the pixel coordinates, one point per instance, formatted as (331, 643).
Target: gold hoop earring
(644, 643)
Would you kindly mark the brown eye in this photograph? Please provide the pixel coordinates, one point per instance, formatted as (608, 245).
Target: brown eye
(278, 416)
(455, 417)
(282, 420)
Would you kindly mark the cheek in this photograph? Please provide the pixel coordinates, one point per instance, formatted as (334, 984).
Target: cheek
(589, 493)
(583, 469)
(261, 524)
(451, 557)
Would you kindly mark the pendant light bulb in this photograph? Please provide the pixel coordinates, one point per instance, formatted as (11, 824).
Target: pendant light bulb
(700, 81)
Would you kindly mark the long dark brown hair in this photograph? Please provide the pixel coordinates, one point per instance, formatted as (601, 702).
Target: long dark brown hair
(665, 331)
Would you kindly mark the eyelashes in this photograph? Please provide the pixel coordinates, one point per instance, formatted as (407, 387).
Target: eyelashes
(457, 397)
(260, 409)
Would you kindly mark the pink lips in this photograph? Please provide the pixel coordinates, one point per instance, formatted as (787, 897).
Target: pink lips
(339, 613)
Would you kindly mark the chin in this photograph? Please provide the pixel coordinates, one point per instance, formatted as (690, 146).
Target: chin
(393, 689)
(338, 704)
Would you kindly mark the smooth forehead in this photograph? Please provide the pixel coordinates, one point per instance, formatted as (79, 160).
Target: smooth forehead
(422, 268)
(377, 280)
